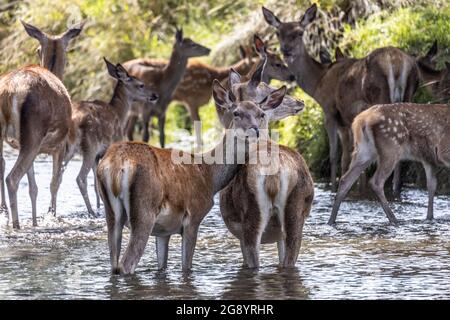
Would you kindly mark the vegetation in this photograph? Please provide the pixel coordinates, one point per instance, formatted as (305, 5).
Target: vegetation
(125, 29)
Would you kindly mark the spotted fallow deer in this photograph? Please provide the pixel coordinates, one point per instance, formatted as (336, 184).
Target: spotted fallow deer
(144, 186)
(35, 117)
(97, 124)
(165, 81)
(345, 88)
(267, 202)
(393, 132)
(436, 81)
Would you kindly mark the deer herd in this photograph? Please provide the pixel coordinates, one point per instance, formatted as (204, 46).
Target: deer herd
(367, 108)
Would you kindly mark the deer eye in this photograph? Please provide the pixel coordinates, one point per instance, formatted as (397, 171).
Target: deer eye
(141, 86)
(262, 115)
(236, 114)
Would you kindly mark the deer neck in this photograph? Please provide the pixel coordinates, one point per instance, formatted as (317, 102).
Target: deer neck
(229, 155)
(173, 72)
(308, 72)
(120, 102)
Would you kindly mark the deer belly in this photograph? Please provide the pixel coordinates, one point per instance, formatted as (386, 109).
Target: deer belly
(167, 223)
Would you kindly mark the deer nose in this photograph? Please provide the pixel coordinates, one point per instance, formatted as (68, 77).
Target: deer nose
(153, 97)
(256, 129)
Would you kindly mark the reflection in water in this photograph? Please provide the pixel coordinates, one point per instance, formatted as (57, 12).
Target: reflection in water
(363, 257)
(275, 284)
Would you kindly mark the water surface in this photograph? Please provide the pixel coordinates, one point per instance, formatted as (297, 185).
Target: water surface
(362, 258)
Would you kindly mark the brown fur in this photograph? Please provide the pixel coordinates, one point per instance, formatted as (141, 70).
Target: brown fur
(143, 185)
(35, 117)
(164, 81)
(391, 133)
(346, 87)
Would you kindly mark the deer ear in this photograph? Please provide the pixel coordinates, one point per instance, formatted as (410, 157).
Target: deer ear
(339, 55)
(309, 16)
(73, 32)
(112, 70)
(221, 96)
(242, 52)
(274, 99)
(122, 73)
(179, 35)
(33, 31)
(260, 46)
(270, 18)
(233, 78)
(324, 56)
(257, 75)
(433, 50)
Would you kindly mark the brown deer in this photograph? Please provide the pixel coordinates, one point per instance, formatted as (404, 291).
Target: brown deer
(346, 87)
(258, 207)
(394, 132)
(97, 124)
(437, 82)
(144, 186)
(35, 117)
(164, 81)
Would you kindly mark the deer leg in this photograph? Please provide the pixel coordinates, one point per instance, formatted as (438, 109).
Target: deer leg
(359, 163)
(131, 122)
(33, 191)
(56, 179)
(196, 124)
(189, 239)
(145, 122)
(431, 186)
(161, 126)
(281, 246)
(87, 165)
(385, 166)
(162, 251)
(345, 136)
(141, 225)
(97, 196)
(3, 206)
(251, 236)
(293, 241)
(331, 127)
(27, 154)
(397, 179)
(115, 224)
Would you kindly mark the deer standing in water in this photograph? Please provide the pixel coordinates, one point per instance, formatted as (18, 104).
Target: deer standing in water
(394, 132)
(143, 185)
(347, 87)
(165, 81)
(97, 124)
(35, 117)
(267, 202)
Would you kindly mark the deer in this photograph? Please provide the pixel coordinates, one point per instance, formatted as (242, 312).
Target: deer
(142, 185)
(393, 132)
(436, 81)
(164, 81)
(97, 124)
(35, 117)
(347, 87)
(267, 202)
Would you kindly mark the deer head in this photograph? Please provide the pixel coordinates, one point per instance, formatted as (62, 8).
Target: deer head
(187, 47)
(247, 117)
(290, 34)
(52, 49)
(136, 89)
(430, 57)
(275, 67)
